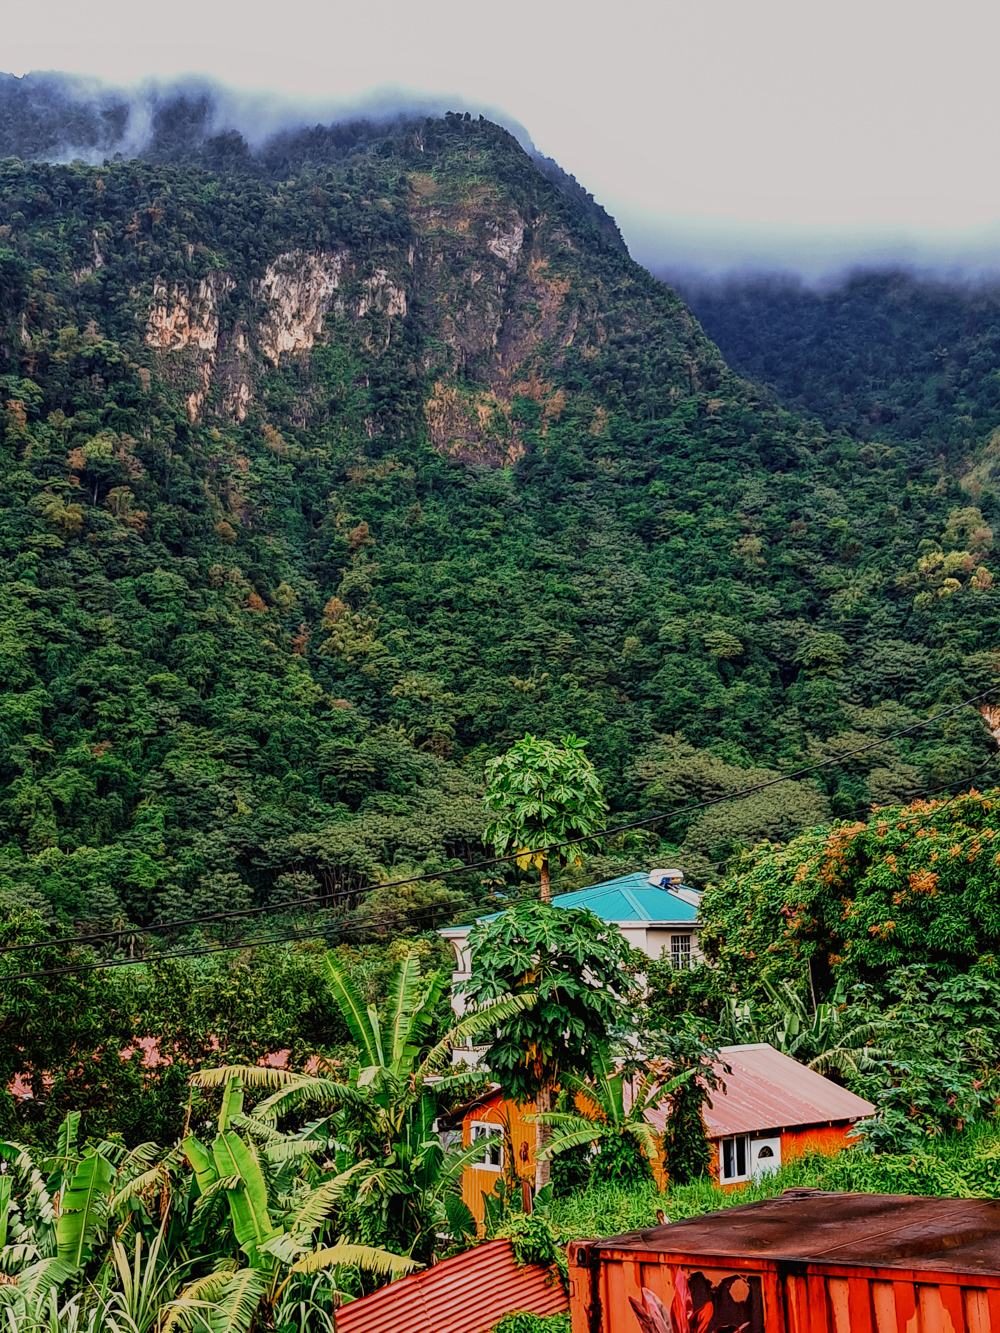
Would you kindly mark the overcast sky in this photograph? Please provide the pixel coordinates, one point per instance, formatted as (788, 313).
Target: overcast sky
(819, 127)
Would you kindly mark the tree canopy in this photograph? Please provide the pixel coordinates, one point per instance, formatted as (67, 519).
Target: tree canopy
(268, 605)
(541, 795)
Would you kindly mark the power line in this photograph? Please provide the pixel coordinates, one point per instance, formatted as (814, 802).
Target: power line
(108, 964)
(326, 899)
(304, 935)
(861, 807)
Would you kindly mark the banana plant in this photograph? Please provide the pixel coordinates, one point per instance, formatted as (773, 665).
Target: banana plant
(398, 1064)
(611, 1107)
(64, 1213)
(278, 1235)
(385, 1111)
(829, 1039)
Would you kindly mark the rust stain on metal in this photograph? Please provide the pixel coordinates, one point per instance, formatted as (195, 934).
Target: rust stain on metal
(805, 1262)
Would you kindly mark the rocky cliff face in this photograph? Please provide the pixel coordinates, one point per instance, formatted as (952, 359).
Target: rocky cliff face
(495, 290)
(183, 325)
(298, 290)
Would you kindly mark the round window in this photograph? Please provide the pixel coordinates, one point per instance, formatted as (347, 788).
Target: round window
(765, 1152)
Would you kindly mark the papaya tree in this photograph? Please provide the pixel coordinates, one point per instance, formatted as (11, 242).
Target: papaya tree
(581, 970)
(538, 795)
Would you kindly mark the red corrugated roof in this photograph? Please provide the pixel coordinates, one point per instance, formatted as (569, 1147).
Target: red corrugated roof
(467, 1294)
(768, 1090)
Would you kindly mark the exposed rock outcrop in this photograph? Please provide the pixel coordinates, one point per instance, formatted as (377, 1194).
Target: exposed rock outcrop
(185, 320)
(181, 317)
(299, 289)
(381, 293)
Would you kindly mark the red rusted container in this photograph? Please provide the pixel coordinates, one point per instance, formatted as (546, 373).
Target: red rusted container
(804, 1262)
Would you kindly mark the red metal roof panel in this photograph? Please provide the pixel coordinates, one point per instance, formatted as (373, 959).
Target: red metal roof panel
(768, 1090)
(466, 1294)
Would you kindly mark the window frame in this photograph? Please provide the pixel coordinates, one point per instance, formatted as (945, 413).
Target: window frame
(750, 1141)
(681, 959)
(488, 1131)
(736, 1178)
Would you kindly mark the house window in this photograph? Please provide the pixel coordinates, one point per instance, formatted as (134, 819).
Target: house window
(734, 1159)
(489, 1138)
(743, 1158)
(680, 951)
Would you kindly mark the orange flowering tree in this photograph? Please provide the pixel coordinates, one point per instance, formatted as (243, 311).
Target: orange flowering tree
(915, 884)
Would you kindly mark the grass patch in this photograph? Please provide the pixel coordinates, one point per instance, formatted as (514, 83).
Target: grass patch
(958, 1165)
(520, 1321)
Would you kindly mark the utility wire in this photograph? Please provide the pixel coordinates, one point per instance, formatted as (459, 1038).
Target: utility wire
(235, 947)
(325, 899)
(341, 929)
(861, 808)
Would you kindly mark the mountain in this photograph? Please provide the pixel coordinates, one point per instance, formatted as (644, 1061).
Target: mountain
(886, 355)
(328, 470)
(58, 117)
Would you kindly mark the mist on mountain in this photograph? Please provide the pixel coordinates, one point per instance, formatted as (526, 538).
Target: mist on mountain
(890, 353)
(58, 117)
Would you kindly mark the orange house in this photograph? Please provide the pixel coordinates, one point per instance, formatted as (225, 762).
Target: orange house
(773, 1110)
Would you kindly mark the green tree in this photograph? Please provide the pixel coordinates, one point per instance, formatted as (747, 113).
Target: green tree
(406, 1191)
(541, 794)
(913, 884)
(580, 969)
(698, 1073)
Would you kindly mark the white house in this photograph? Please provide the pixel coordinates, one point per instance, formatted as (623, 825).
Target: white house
(654, 911)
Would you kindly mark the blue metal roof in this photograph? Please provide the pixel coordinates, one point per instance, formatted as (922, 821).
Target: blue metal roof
(629, 898)
(625, 899)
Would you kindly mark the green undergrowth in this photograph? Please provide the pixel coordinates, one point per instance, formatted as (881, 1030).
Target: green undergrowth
(959, 1165)
(523, 1321)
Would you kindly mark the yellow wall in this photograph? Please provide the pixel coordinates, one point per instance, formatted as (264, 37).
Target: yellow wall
(519, 1136)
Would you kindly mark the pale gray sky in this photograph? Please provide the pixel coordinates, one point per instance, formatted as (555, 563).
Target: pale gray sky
(753, 122)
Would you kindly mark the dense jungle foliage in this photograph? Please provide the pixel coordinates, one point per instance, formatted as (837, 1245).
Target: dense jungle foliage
(886, 355)
(328, 470)
(266, 611)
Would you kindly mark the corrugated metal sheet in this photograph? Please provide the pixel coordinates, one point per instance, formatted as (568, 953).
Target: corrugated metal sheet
(466, 1294)
(625, 901)
(768, 1090)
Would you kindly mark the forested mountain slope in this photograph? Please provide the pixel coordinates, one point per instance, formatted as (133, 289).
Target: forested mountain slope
(325, 479)
(883, 354)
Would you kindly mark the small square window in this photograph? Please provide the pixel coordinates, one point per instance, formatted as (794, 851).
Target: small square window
(680, 951)
(490, 1139)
